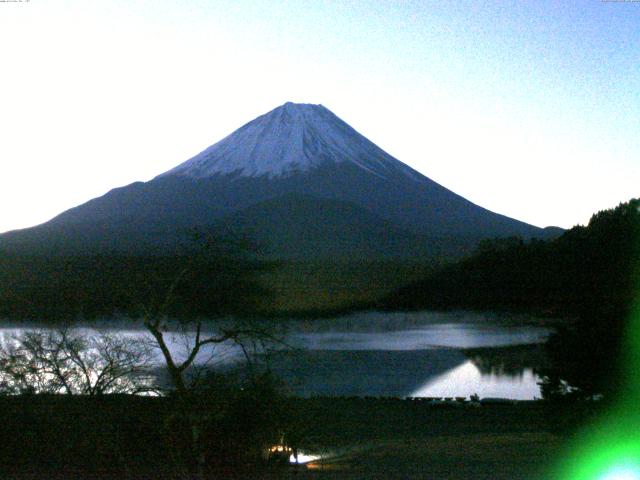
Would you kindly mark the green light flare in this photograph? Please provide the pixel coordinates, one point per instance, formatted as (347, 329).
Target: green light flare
(625, 472)
(610, 448)
(632, 357)
(611, 445)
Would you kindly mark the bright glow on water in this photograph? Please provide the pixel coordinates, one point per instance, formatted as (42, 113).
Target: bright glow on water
(465, 380)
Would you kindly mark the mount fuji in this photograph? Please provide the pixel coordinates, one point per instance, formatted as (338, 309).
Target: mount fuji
(299, 180)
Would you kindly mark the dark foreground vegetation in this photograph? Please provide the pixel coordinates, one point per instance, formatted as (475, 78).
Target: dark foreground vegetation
(208, 278)
(584, 267)
(143, 437)
(61, 287)
(589, 277)
(132, 434)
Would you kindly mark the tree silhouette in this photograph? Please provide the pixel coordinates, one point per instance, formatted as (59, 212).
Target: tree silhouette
(64, 361)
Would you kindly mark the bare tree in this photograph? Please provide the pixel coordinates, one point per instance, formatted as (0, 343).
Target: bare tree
(216, 278)
(66, 362)
(173, 304)
(201, 345)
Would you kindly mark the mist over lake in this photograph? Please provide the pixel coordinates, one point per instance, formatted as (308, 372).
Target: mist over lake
(419, 354)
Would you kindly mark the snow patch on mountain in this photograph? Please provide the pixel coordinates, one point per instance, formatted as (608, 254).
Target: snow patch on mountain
(290, 139)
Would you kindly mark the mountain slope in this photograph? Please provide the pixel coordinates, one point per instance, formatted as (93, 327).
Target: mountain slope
(302, 227)
(291, 151)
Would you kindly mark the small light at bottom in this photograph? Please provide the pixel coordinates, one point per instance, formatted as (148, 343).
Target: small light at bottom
(303, 458)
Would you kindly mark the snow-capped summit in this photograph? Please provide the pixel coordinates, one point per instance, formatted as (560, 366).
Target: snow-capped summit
(292, 138)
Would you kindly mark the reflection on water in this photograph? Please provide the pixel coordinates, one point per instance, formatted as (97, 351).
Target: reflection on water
(509, 360)
(466, 380)
(435, 372)
(361, 372)
(396, 354)
(420, 354)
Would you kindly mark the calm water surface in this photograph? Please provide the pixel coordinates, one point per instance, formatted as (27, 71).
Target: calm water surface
(423, 354)
(397, 354)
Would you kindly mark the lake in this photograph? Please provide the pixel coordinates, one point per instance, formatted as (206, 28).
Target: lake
(421, 354)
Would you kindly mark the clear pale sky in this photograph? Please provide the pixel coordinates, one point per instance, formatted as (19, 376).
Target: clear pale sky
(530, 109)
